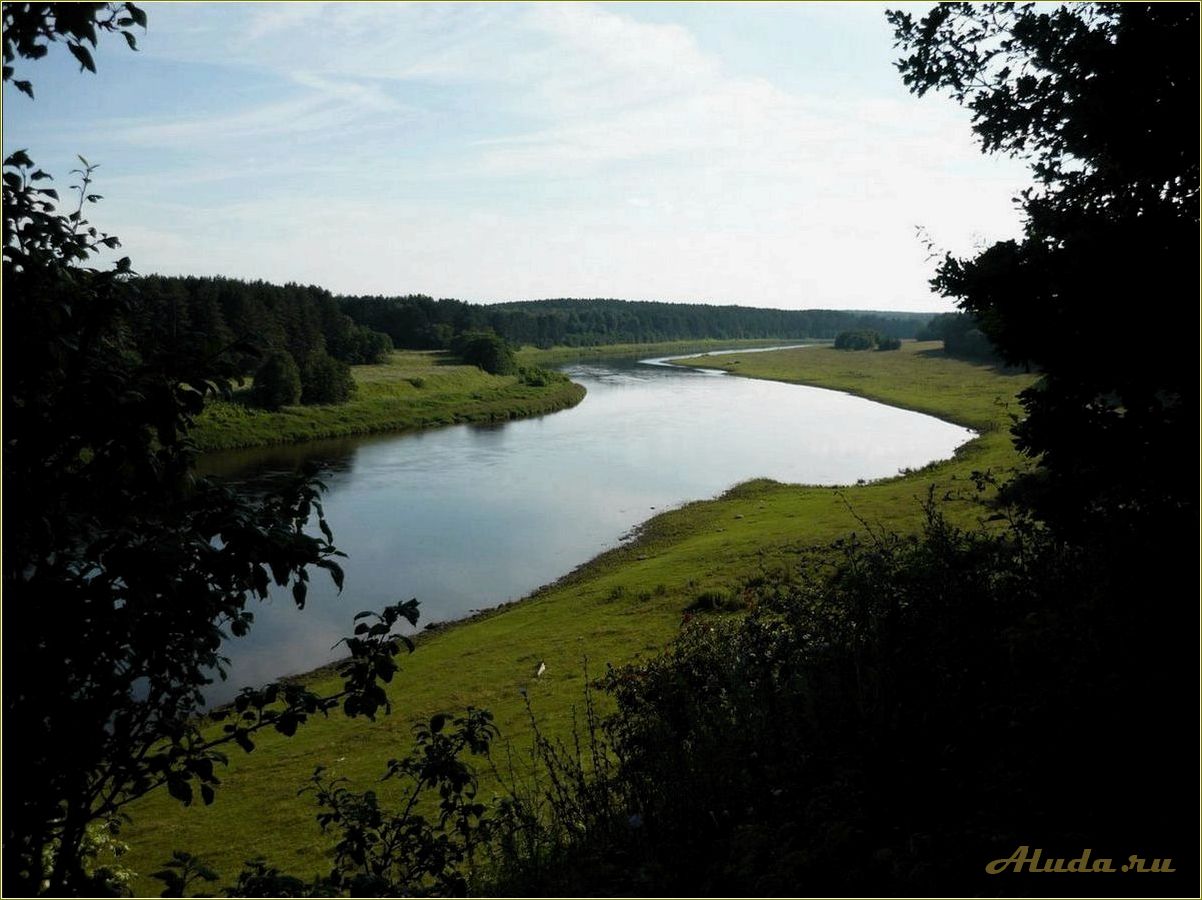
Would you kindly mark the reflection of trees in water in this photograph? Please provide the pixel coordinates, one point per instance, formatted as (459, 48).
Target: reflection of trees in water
(258, 468)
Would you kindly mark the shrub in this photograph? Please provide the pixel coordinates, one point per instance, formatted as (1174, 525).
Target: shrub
(856, 340)
(488, 351)
(366, 346)
(535, 376)
(886, 721)
(277, 382)
(325, 380)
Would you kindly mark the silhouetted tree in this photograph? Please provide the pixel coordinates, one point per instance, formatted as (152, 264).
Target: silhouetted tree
(1102, 99)
(123, 573)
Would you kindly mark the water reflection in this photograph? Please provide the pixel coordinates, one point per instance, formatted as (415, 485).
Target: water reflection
(470, 516)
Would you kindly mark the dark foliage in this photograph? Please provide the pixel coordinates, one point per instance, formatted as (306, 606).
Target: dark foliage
(488, 351)
(856, 340)
(961, 335)
(886, 723)
(865, 340)
(325, 379)
(124, 573)
(415, 321)
(277, 382)
(423, 323)
(1101, 99)
(30, 29)
(186, 313)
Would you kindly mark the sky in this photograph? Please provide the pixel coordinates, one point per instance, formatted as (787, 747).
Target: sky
(756, 154)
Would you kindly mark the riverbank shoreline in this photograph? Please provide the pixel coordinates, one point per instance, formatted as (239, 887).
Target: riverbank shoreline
(411, 391)
(415, 390)
(624, 604)
(555, 356)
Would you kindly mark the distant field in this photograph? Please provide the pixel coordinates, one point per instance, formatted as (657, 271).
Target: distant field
(623, 604)
(556, 356)
(919, 376)
(413, 389)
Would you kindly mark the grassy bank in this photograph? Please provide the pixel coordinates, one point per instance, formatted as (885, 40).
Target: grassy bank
(625, 603)
(413, 389)
(555, 356)
(919, 376)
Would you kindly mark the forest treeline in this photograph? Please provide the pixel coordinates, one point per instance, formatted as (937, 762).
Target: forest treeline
(421, 322)
(175, 313)
(247, 319)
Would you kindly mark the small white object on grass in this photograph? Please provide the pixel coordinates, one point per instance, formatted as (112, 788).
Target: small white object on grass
(542, 667)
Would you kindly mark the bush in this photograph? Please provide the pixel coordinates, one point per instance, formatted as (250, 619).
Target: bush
(961, 336)
(536, 376)
(856, 340)
(888, 343)
(367, 347)
(488, 351)
(885, 722)
(325, 380)
(277, 382)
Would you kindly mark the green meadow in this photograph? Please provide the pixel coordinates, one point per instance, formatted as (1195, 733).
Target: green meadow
(624, 604)
(556, 356)
(413, 389)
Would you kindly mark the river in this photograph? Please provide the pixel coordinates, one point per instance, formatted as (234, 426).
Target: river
(470, 516)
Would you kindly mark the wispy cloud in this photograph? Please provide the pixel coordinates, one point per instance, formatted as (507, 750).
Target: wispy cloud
(502, 150)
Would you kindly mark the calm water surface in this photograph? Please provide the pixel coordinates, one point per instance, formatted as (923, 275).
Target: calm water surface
(470, 516)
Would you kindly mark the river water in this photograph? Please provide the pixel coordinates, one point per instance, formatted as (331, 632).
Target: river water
(470, 516)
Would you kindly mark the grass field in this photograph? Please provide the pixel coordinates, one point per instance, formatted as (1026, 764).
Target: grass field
(560, 355)
(413, 389)
(623, 604)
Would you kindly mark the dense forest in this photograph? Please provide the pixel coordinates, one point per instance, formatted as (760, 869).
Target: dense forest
(247, 319)
(422, 322)
(172, 312)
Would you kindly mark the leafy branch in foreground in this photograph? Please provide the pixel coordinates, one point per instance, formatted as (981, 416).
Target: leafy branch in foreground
(124, 573)
(1098, 97)
(30, 29)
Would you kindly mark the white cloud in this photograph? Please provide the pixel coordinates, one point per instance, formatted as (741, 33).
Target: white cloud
(649, 168)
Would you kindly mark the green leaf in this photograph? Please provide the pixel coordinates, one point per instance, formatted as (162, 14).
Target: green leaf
(129, 39)
(137, 14)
